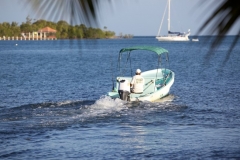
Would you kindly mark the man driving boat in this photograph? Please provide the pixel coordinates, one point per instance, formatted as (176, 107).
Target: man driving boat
(137, 83)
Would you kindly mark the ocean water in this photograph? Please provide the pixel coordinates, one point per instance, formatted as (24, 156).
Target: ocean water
(53, 102)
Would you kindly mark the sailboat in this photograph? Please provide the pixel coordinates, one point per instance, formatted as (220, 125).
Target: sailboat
(172, 36)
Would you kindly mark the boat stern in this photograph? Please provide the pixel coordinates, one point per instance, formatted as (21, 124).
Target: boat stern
(113, 94)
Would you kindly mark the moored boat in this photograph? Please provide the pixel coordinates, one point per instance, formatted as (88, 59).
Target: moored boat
(171, 36)
(195, 40)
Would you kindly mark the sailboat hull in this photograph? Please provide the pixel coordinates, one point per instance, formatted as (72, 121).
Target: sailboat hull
(172, 38)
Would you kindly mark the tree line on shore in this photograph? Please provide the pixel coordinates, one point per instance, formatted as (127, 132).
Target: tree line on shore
(64, 30)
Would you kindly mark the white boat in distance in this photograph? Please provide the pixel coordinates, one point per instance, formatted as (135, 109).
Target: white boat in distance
(195, 40)
(172, 36)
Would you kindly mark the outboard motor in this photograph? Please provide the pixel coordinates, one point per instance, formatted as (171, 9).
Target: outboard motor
(124, 90)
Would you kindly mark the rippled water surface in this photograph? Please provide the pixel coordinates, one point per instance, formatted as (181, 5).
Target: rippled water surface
(53, 102)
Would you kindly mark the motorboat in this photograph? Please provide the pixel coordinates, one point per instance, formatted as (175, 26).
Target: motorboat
(158, 81)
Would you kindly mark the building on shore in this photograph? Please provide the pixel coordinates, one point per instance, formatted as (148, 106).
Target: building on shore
(46, 33)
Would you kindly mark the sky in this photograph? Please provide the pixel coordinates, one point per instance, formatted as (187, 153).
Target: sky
(136, 17)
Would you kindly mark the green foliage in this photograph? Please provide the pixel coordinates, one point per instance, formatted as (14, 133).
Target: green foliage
(9, 30)
(64, 30)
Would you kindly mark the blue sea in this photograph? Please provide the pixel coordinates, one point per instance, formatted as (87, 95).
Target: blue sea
(53, 102)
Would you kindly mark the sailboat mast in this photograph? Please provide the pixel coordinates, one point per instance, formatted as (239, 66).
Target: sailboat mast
(169, 15)
(171, 36)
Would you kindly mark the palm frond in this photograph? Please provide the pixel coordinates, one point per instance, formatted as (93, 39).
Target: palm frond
(74, 11)
(222, 20)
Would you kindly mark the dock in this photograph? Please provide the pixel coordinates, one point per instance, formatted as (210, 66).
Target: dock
(46, 33)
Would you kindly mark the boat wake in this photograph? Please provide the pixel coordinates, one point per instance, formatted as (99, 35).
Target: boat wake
(69, 113)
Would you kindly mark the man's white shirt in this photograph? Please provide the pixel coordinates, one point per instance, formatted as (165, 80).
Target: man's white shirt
(138, 83)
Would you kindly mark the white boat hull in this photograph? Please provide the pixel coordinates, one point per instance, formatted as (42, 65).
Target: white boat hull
(164, 91)
(172, 38)
(195, 40)
(152, 93)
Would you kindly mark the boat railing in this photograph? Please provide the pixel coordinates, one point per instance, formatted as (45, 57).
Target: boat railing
(160, 82)
(149, 85)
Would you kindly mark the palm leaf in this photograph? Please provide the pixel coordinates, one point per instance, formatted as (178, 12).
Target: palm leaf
(75, 11)
(221, 21)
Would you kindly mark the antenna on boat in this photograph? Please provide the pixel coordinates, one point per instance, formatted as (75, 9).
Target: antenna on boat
(112, 72)
(159, 65)
(125, 67)
(130, 64)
